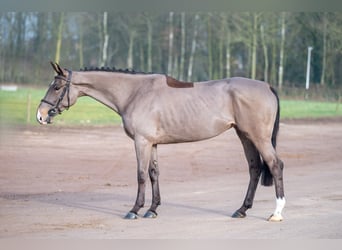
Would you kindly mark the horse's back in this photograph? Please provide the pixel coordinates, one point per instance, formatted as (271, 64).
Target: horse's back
(246, 96)
(247, 86)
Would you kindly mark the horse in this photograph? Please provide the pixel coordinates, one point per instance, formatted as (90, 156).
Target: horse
(158, 109)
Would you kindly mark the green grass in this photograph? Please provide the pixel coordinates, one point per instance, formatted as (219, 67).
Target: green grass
(14, 109)
(308, 109)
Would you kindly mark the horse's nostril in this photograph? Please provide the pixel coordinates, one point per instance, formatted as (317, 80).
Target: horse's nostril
(40, 117)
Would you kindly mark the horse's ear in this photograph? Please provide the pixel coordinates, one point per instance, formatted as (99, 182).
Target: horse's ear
(61, 71)
(54, 66)
(58, 69)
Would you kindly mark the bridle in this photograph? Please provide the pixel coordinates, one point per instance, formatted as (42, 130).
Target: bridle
(55, 107)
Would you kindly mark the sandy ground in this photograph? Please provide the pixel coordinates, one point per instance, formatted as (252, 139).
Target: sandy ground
(58, 182)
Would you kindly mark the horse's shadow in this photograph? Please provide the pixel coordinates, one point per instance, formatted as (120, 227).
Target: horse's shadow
(113, 204)
(77, 200)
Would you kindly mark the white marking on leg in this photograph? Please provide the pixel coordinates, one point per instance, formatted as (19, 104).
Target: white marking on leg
(276, 216)
(280, 205)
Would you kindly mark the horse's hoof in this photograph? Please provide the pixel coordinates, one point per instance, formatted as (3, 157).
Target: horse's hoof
(131, 216)
(275, 218)
(239, 214)
(150, 214)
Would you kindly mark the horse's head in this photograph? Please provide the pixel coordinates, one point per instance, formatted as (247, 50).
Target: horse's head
(60, 95)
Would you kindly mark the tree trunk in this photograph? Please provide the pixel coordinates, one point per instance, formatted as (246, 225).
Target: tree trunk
(254, 45)
(130, 49)
(149, 45)
(228, 53)
(221, 45)
(80, 52)
(142, 57)
(226, 42)
(210, 57)
(40, 32)
(59, 38)
(169, 66)
(182, 56)
(193, 49)
(100, 37)
(105, 40)
(175, 69)
(264, 46)
(281, 55)
(20, 34)
(273, 73)
(324, 56)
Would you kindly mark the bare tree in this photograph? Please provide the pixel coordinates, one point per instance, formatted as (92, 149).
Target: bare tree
(228, 42)
(149, 44)
(130, 49)
(241, 43)
(222, 38)
(324, 52)
(59, 37)
(80, 45)
(264, 47)
(193, 48)
(210, 57)
(170, 61)
(269, 37)
(254, 44)
(182, 55)
(105, 40)
(281, 53)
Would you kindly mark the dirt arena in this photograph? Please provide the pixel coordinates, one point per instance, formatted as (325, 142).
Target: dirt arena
(59, 182)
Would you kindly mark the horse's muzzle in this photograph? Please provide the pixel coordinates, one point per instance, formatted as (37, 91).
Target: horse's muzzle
(44, 120)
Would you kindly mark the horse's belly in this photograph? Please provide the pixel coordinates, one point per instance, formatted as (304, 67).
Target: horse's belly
(196, 131)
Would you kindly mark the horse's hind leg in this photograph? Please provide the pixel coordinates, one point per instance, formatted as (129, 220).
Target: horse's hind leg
(276, 166)
(254, 163)
(154, 174)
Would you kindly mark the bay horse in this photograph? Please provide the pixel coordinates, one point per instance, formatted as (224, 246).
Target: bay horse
(158, 109)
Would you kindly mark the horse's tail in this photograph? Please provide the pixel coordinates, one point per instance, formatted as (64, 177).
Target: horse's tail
(266, 176)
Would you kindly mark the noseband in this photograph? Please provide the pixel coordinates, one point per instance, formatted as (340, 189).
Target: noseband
(55, 107)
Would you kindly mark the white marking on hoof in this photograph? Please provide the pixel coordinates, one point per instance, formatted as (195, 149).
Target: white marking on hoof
(275, 218)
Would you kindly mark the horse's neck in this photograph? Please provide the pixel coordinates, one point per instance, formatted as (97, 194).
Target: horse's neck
(112, 89)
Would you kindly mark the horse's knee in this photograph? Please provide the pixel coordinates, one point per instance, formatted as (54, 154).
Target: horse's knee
(281, 164)
(154, 174)
(277, 167)
(153, 171)
(254, 168)
(141, 177)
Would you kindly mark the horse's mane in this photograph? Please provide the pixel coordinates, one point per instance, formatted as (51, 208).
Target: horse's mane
(113, 69)
(171, 82)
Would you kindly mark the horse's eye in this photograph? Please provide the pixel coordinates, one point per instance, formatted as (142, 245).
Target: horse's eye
(57, 87)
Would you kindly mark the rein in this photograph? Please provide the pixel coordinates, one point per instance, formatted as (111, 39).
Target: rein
(55, 107)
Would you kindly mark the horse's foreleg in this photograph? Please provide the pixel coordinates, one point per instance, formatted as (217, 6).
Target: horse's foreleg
(154, 174)
(143, 152)
(254, 163)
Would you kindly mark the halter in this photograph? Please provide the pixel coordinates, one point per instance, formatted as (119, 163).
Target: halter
(55, 107)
